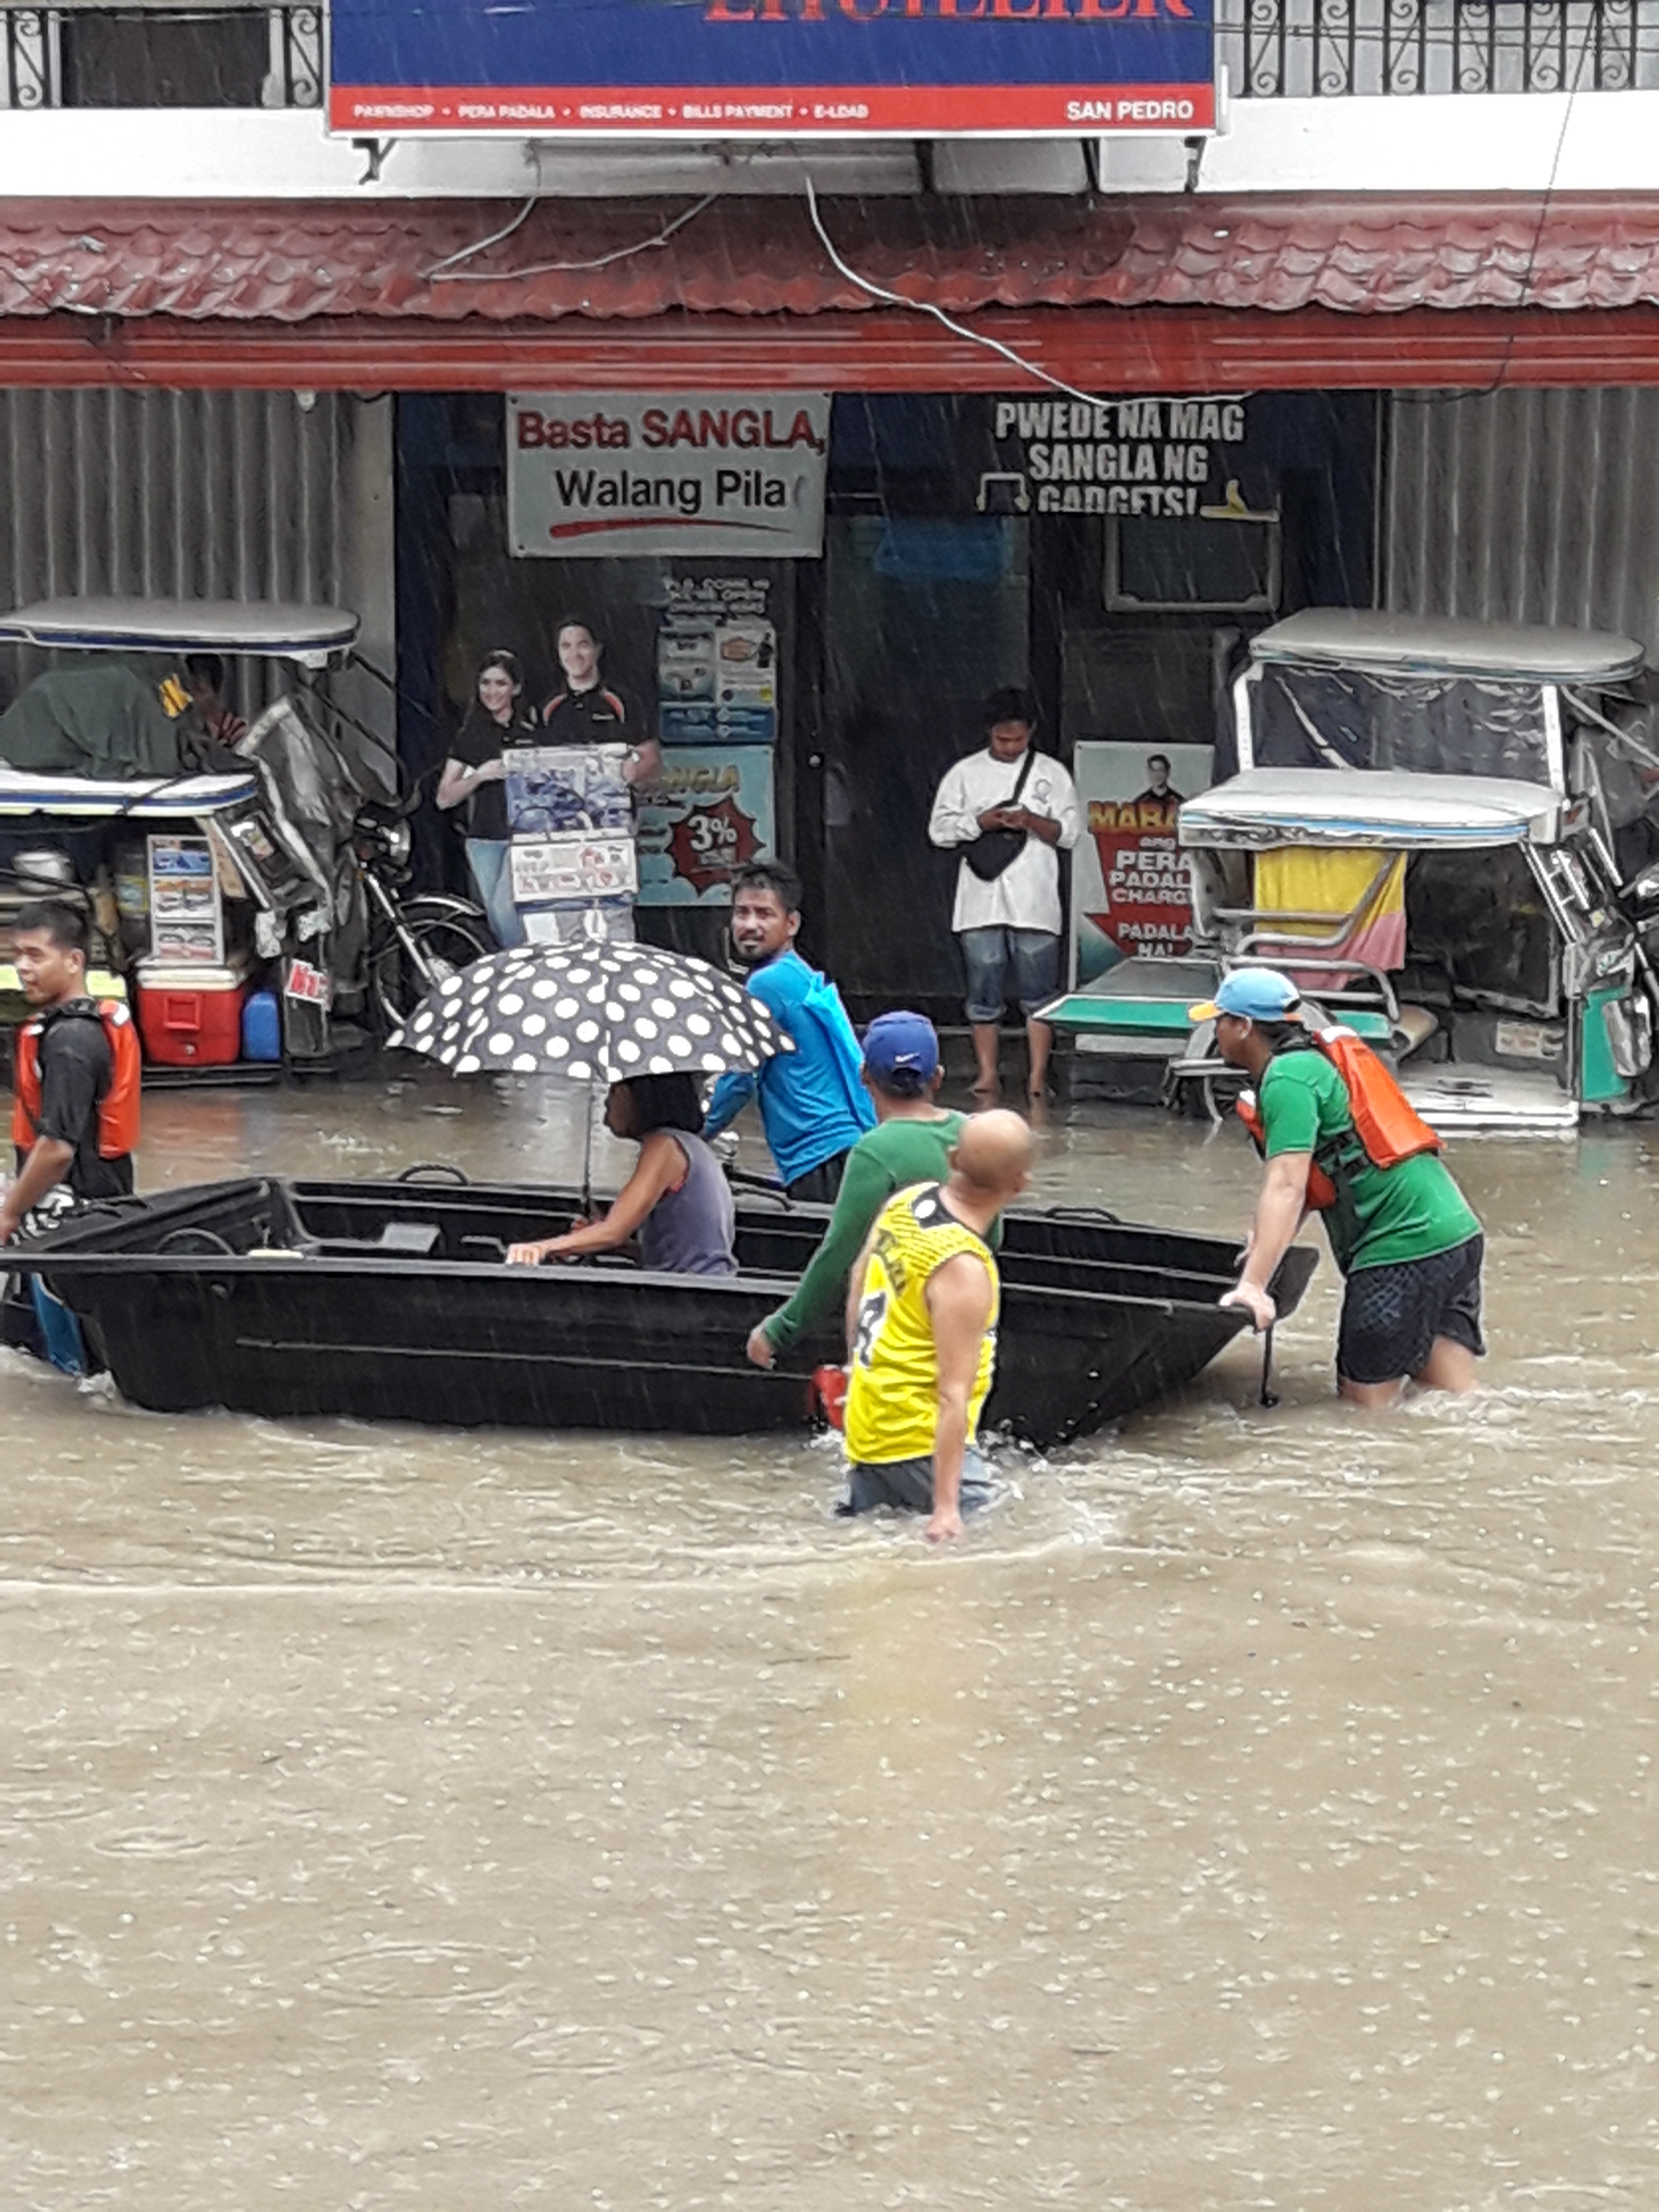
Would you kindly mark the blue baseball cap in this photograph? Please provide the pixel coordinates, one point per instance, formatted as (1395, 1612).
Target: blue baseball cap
(901, 1043)
(1254, 994)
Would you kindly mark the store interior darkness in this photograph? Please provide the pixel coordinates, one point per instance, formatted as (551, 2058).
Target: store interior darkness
(922, 604)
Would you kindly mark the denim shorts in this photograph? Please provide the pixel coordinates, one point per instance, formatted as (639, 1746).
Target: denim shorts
(487, 857)
(908, 1484)
(1027, 959)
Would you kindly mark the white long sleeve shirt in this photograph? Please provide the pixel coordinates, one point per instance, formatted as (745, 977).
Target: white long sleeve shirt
(1026, 895)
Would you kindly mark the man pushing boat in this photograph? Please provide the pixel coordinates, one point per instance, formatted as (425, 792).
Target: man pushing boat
(1340, 1140)
(911, 1143)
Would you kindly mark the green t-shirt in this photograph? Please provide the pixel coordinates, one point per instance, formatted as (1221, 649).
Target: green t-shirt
(1382, 1215)
(885, 1159)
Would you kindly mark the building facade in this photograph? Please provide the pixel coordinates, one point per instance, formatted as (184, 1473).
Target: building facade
(1096, 410)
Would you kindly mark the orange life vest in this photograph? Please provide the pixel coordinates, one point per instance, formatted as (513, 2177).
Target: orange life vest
(1387, 1126)
(826, 1395)
(118, 1110)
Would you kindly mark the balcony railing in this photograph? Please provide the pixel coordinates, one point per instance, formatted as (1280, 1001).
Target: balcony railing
(1336, 49)
(160, 57)
(27, 76)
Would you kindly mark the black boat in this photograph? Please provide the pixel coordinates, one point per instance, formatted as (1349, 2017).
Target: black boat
(389, 1301)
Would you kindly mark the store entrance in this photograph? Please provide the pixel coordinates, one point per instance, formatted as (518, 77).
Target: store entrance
(924, 618)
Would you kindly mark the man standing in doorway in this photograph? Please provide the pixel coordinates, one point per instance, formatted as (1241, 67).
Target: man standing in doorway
(75, 1122)
(1010, 810)
(813, 1105)
(921, 1333)
(1403, 1235)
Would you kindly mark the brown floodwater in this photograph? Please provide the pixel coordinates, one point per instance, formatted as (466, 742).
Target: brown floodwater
(1257, 1810)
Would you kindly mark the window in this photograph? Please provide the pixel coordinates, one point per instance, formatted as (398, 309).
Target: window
(150, 57)
(1192, 564)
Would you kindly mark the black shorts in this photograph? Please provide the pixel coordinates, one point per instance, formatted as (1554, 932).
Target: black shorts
(1392, 1315)
(819, 1185)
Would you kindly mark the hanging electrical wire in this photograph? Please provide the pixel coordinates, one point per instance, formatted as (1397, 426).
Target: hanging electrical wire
(1546, 201)
(1016, 360)
(445, 272)
(441, 270)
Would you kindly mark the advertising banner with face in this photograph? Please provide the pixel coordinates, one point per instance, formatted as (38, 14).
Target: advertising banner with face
(1129, 886)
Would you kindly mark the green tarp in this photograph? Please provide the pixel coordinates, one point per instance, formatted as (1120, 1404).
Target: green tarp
(102, 720)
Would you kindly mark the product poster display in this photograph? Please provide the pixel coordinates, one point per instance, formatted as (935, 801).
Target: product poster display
(571, 817)
(711, 812)
(186, 922)
(573, 869)
(551, 789)
(1130, 893)
(717, 663)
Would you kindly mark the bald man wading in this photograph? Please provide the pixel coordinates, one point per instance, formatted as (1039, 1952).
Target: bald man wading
(921, 1332)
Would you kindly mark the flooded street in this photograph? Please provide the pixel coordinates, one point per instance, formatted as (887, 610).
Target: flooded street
(1256, 1810)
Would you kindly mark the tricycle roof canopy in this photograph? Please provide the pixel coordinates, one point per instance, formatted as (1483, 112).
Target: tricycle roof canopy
(1437, 645)
(152, 799)
(1369, 807)
(268, 629)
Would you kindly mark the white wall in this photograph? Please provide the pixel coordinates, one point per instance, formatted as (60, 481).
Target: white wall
(1478, 142)
(1596, 141)
(285, 153)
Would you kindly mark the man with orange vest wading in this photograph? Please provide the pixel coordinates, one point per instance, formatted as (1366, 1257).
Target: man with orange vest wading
(1353, 1150)
(75, 1119)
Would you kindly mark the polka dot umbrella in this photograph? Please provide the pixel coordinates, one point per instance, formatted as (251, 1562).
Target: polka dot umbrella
(592, 1013)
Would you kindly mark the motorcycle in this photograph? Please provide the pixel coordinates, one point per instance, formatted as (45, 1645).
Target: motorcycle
(415, 944)
(285, 806)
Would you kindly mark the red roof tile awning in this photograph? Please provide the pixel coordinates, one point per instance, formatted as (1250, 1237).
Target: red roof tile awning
(1189, 292)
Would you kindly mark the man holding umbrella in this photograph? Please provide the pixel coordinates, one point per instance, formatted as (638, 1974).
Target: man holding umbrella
(676, 1206)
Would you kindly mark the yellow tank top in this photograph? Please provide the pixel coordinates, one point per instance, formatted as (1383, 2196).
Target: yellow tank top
(892, 1390)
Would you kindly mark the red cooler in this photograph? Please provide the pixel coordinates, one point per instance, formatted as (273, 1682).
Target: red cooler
(191, 1017)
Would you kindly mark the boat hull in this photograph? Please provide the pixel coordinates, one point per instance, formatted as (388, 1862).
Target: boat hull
(388, 1302)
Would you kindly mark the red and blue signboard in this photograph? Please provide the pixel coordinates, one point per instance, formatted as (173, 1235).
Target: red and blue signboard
(770, 69)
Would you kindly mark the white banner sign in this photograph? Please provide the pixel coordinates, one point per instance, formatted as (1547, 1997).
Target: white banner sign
(546, 870)
(725, 472)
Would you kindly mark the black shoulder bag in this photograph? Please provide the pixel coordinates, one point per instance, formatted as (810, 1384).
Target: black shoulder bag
(995, 851)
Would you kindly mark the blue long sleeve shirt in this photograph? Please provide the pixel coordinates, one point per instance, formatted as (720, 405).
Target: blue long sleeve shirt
(813, 1102)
